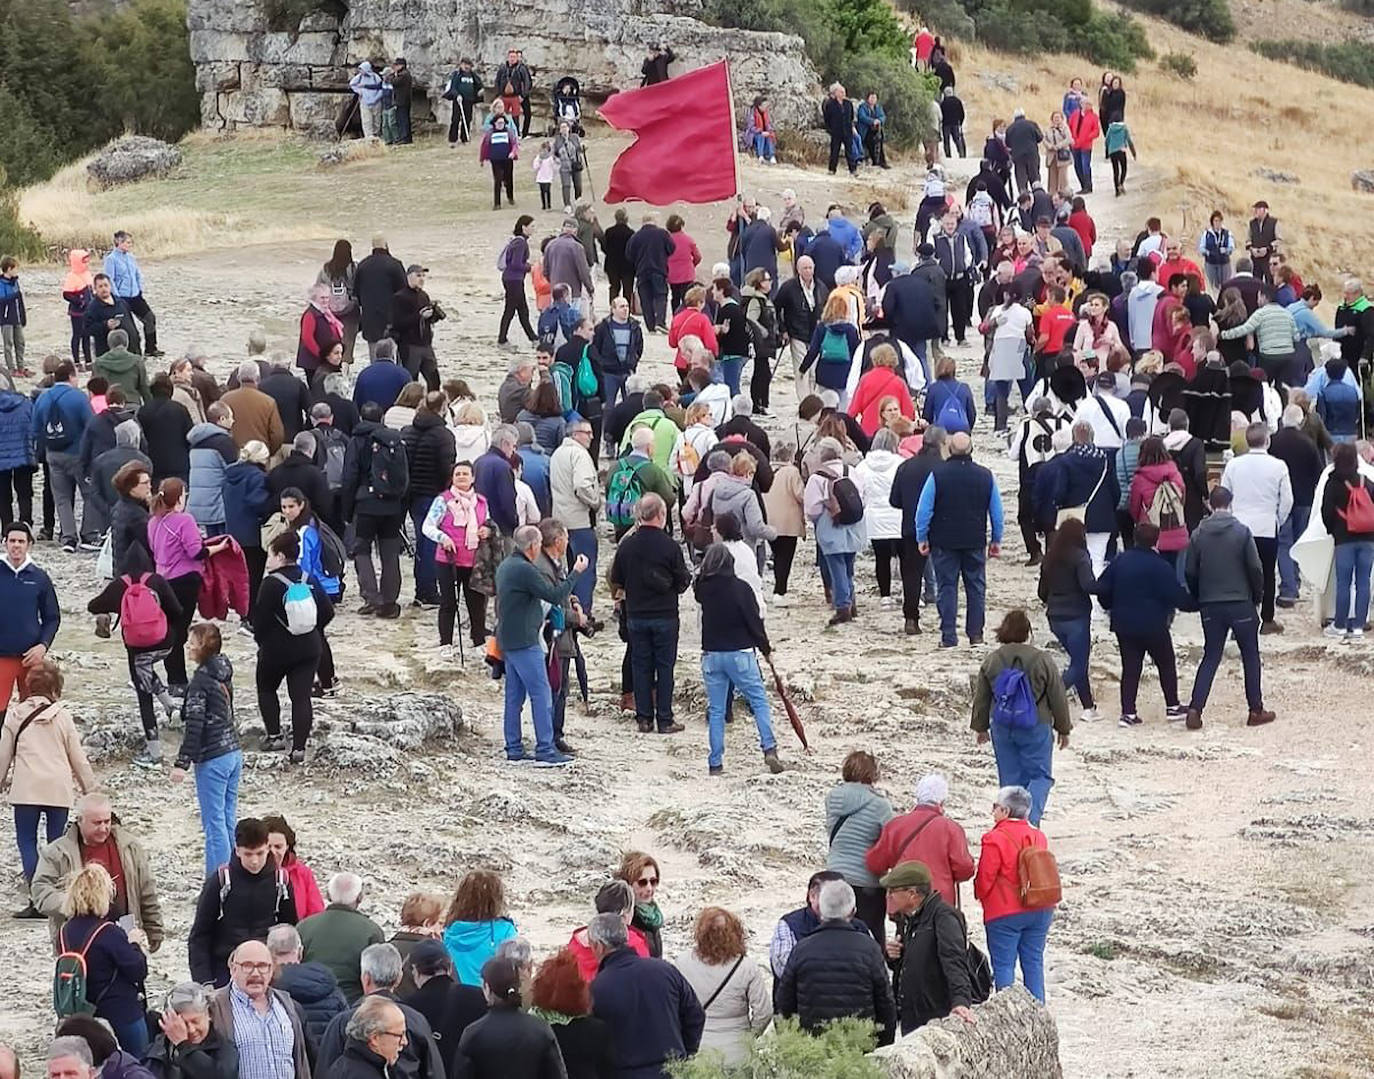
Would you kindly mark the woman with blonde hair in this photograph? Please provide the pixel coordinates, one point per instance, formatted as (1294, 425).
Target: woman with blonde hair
(1058, 154)
(49, 765)
(470, 436)
(116, 967)
(476, 923)
(729, 985)
(833, 344)
(881, 382)
(422, 918)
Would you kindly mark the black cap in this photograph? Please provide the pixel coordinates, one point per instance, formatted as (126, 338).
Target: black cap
(430, 957)
(415, 267)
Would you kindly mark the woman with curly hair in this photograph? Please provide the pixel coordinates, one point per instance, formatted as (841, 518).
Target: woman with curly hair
(476, 924)
(729, 984)
(281, 843)
(640, 871)
(563, 999)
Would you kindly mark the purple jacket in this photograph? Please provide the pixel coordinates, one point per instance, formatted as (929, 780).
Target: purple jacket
(176, 545)
(517, 259)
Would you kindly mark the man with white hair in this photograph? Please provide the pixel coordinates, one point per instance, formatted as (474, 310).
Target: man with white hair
(837, 971)
(742, 425)
(259, 1020)
(311, 985)
(926, 835)
(381, 973)
(1262, 499)
(1295, 448)
(513, 393)
(68, 1058)
(376, 1033)
(382, 380)
(1023, 141)
(255, 413)
(1356, 313)
(494, 478)
(838, 115)
(96, 835)
(337, 935)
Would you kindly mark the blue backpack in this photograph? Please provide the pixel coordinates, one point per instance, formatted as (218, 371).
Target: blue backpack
(951, 415)
(1013, 703)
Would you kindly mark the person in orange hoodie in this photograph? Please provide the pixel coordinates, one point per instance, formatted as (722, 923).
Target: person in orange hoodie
(1012, 929)
(1086, 129)
(1162, 336)
(76, 290)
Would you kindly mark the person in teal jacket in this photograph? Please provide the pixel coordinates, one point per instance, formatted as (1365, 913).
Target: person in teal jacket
(476, 923)
(1117, 142)
(871, 122)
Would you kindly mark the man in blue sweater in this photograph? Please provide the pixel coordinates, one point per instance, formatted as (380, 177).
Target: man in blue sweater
(60, 416)
(126, 281)
(31, 614)
(380, 382)
(521, 592)
(957, 502)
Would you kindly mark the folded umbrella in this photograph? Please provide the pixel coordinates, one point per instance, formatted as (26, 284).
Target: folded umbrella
(787, 704)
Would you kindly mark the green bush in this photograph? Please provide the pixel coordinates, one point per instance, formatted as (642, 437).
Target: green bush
(904, 93)
(28, 152)
(1206, 18)
(16, 238)
(839, 1051)
(1350, 61)
(1181, 64)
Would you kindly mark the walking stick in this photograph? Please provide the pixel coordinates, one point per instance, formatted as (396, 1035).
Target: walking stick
(587, 167)
(463, 124)
(348, 118)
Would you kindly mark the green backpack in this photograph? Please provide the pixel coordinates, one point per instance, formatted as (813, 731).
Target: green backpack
(623, 490)
(69, 976)
(586, 384)
(835, 345)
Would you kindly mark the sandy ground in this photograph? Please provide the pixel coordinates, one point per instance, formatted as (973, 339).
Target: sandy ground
(1214, 921)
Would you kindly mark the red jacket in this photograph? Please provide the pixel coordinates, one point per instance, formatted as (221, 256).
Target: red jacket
(998, 883)
(304, 889)
(942, 846)
(224, 584)
(1085, 128)
(587, 962)
(876, 384)
(693, 321)
(682, 263)
(1144, 483)
(1185, 266)
(1082, 223)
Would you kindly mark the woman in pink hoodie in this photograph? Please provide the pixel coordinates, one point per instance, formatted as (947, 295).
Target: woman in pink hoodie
(179, 555)
(1154, 468)
(76, 290)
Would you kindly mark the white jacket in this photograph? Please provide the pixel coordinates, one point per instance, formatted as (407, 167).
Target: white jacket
(1094, 410)
(1261, 492)
(470, 440)
(573, 481)
(717, 398)
(873, 477)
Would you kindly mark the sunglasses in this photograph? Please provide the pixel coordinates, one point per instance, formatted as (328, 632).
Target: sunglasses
(645, 882)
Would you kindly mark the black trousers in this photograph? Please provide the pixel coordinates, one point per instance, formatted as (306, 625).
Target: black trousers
(873, 143)
(679, 293)
(884, 551)
(1134, 648)
(784, 551)
(299, 676)
(325, 674)
(1118, 161)
(186, 588)
(839, 147)
(255, 559)
(516, 305)
(954, 133)
(870, 907)
(452, 579)
(1025, 514)
(16, 492)
(419, 360)
(525, 116)
(502, 173)
(653, 301)
(960, 292)
(1268, 547)
(913, 564)
(140, 309)
(460, 123)
(622, 283)
(760, 381)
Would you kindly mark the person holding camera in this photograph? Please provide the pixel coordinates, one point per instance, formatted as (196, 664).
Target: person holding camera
(413, 315)
(655, 67)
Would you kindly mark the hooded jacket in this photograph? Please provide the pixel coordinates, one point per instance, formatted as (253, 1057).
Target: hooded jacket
(1223, 564)
(60, 416)
(208, 712)
(101, 433)
(76, 286)
(855, 814)
(356, 490)
(16, 431)
(603, 344)
(471, 944)
(12, 311)
(212, 452)
(430, 454)
(128, 532)
(735, 495)
(49, 763)
(127, 370)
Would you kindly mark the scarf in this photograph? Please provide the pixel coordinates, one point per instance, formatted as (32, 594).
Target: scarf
(554, 1019)
(648, 917)
(333, 320)
(462, 507)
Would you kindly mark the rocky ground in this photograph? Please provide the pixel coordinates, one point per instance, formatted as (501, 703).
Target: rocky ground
(1215, 917)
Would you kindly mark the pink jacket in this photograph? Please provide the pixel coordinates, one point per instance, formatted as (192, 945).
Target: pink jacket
(1144, 483)
(177, 547)
(682, 263)
(304, 890)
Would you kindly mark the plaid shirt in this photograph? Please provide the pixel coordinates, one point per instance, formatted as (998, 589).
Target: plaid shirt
(265, 1041)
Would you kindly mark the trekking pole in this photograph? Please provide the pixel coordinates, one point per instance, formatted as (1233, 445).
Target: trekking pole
(348, 119)
(463, 124)
(462, 656)
(587, 167)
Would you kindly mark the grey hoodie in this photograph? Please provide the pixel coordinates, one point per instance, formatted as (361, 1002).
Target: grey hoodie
(1223, 564)
(733, 495)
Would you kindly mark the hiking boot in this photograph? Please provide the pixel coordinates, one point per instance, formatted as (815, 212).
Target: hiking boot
(389, 610)
(1260, 718)
(1271, 627)
(770, 758)
(627, 702)
(29, 913)
(912, 627)
(645, 727)
(272, 743)
(715, 770)
(563, 747)
(102, 626)
(1035, 559)
(1193, 719)
(672, 728)
(844, 614)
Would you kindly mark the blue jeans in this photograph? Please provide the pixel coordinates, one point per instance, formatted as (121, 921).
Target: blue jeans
(1291, 530)
(763, 147)
(1025, 758)
(653, 655)
(1353, 560)
(731, 368)
(1083, 166)
(612, 389)
(583, 541)
(720, 671)
(1021, 935)
(1220, 620)
(526, 676)
(840, 567)
(949, 567)
(26, 832)
(133, 1038)
(1076, 635)
(426, 576)
(1001, 402)
(217, 791)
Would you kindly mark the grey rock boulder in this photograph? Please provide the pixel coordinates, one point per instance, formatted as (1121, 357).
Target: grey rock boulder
(129, 159)
(1362, 180)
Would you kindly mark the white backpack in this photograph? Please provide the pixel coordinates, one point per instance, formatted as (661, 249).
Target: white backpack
(298, 605)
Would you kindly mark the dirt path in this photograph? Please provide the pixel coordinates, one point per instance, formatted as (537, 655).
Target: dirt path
(1216, 882)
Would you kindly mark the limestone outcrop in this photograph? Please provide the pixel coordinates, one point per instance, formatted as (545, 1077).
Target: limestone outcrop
(131, 158)
(251, 75)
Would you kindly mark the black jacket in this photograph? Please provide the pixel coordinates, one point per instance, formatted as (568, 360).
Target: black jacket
(951, 111)
(269, 621)
(838, 117)
(1192, 466)
(648, 251)
(301, 472)
(649, 565)
(907, 483)
(99, 434)
(912, 310)
(108, 600)
(292, 398)
(1067, 588)
(408, 326)
(449, 1007)
(166, 423)
(994, 186)
(603, 345)
(747, 429)
(1304, 462)
(378, 278)
(613, 242)
(214, 1057)
(103, 470)
(730, 619)
(356, 493)
(1023, 139)
(651, 1009)
(430, 454)
(796, 317)
(933, 974)
(419, 1057)
(835, 972)
(255, 902)
(587, 1047)
(128, 529)
(316, 992)
(506, 1043)
(617, 421)
(208, 712)
(356, 1061)
(98, 314)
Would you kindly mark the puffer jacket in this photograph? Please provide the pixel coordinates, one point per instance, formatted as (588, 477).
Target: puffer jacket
(212, 452)
(247, 502)
(835, 972)
(430, 454)
(874, 478)
(314, 987)
(854, 816)
(208, 711)
(128, 528)
(16, 422)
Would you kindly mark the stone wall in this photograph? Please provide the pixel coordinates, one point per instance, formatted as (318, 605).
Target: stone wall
(252, 76)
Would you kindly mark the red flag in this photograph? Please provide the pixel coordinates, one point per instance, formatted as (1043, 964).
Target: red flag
(685, 145)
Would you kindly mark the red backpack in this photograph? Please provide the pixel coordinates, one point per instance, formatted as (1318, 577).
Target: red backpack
(1359, 510)
(142, 620)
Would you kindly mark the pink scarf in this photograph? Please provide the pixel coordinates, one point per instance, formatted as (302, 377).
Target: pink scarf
(334, 324)
(462, 507)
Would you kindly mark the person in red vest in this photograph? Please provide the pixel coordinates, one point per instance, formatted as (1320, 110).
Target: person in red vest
(920, 48)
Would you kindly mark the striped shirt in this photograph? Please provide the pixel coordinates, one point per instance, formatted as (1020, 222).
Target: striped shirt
(1273, 328)
(265, 1041)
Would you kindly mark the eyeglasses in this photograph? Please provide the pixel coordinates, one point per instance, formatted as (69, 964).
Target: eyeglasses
(254, 968)
(392, 1034)
(647, 882)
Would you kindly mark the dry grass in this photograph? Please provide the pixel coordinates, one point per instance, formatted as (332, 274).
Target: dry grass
(350, 152)
(1203, 139)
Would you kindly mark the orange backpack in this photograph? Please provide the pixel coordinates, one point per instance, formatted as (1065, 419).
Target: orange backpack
(1038, 873)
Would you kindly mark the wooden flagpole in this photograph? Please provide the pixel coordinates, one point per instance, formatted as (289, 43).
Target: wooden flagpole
(734, 132)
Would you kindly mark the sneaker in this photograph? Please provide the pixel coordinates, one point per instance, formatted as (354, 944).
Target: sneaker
(1286, 602)
(553, 760)
(562, 746)
(89, 545)
(715, 770)
(912, 627)
(150, 756)
(1129, 720)
(780, 602)
(1193, 720)
(1270, 627)
(272, 743)
(297, 756)
(389, 610)
(886, 603)
(1175, 712)
(840, 617)
(1260, 718)
(1089, 715)
(949, 644)
(672, 728)
(1334, 632)
(770, 758)
(426, 603)
(446, 653)
(30, 913)
(1355, 635)
(69, 546)
(518, 759)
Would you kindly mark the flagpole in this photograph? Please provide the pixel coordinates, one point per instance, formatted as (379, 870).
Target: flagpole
(734, 134)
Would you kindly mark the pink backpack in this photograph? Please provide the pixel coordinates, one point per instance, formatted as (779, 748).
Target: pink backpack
(142, 620)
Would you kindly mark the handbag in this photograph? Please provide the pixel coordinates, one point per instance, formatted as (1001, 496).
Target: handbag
(712, 998)
(980, 973)
(1063, 156)
(1080, 513)
(104, 561)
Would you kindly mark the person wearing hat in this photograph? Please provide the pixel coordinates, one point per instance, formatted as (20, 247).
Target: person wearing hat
(450, 1006)
(1263, 240)
(930, 952)
(402, 85)
(413, 315)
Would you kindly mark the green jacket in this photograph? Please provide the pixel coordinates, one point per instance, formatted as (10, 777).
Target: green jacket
(667, 434)
(521, 592)
(336, 937)
(1046, 683)
(126, 370)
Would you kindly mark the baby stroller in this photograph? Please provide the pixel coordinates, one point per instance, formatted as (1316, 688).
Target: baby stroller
(567, 105)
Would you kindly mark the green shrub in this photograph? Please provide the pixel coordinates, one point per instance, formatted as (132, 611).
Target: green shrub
(16, 238)
(1206, 18)
(1181, 64)
(839, 1051)
(27, 150)
(1350, 61)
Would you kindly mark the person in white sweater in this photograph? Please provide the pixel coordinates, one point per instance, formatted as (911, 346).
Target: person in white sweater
(873, 477)
(729, 985)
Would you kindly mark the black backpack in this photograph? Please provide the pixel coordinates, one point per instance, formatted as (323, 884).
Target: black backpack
(331, 447)
(388, 474)
(846, 505)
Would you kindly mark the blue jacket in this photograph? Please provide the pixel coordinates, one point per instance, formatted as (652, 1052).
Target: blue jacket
(471, 944)
(16, 430)
(312, 564)
(115, 969)
(535, 466)
(126, 279)
(30, 604)
(652, 1011)
(1338, 405)
(559, 314)
(956, 504)
(247, 502)
(1142, 592)
(12, 311)
(212, 452)
(68, 410)
(828, 255)
(494, 480)
(936, 398)
(1076, 474)
(314, 987)
(379, 383)
(847, 235)
(866, 114)
(830, 375)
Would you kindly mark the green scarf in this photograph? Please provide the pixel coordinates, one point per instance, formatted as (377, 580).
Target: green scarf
(648, 916)
(554, 1019)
